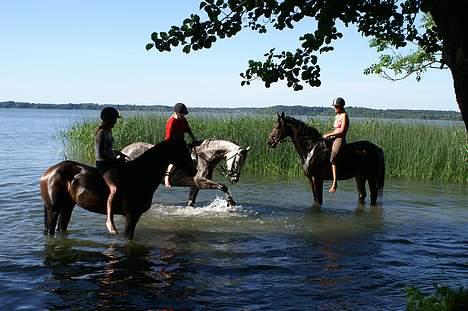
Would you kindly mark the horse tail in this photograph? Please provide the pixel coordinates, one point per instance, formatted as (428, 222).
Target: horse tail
(381, 172)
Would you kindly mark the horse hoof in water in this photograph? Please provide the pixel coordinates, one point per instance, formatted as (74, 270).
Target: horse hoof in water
(230, 202)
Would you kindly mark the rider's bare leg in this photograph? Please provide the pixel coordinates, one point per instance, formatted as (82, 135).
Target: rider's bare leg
(111, 179)
(334, 182)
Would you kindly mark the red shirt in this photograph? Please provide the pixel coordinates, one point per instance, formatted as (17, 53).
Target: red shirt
(176, 128)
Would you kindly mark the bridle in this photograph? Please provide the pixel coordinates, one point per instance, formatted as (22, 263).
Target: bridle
(234, 172)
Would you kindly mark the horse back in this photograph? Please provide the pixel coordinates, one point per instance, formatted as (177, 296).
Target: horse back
(360, 158)
(363, 149)
(70, 181)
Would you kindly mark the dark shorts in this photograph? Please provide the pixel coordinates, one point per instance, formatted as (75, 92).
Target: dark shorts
(104, 166)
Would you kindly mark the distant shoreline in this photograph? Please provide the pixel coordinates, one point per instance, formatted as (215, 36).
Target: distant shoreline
(289, 110)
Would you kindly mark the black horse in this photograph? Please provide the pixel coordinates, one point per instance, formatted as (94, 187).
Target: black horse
(68, 183)
(361, 159)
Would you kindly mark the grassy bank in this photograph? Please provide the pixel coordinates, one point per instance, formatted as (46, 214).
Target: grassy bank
(412, 150)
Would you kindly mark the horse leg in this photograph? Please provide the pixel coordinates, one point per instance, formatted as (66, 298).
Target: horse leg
(130, 225)
(64, 218)
(374, 191)
(193, 196)
(46, 219)
(53, 208)
(51, 214)
(318, 190)
(205, 183)
(361, 188)
(316, 186)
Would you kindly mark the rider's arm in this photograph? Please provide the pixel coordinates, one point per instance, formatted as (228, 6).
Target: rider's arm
(339, 132)
(169, 129)
(189, 131)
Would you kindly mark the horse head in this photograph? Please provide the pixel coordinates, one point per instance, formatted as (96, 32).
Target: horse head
(297, 130)
(279, 132)
(234, 162)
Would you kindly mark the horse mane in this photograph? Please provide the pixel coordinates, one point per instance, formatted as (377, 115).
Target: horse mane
(304, 129)
(147, 154)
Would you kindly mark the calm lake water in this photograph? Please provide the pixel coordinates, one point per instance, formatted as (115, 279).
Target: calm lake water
(272, 251)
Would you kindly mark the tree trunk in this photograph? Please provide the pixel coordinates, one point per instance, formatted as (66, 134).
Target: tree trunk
(452, 23)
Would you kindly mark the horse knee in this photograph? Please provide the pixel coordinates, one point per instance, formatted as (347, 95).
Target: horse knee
(223, 188)
(112, 189)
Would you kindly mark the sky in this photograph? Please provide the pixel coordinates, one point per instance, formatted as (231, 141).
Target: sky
(86, 51)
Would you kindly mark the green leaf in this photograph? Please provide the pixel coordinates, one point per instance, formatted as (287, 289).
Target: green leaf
(186, 49)
(149, 46)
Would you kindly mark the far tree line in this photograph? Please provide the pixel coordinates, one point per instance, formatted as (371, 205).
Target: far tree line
(289, 110)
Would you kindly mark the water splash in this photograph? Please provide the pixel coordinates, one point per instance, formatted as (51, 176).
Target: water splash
(217, 208)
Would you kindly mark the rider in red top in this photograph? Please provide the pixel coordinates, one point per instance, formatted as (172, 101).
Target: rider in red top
(176, 127)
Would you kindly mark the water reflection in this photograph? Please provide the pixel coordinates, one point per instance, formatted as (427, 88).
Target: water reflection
(104, 276)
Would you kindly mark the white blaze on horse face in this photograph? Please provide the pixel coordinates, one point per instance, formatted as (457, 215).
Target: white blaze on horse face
(230, 158)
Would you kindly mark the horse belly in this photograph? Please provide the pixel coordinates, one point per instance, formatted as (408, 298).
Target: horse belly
(91, 196)
(181, 180)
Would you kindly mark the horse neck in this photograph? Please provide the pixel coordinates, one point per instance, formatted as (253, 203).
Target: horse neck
(303, 137)
(217, 150)
(151, 165)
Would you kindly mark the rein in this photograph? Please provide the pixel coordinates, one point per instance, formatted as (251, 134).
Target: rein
(291, 140)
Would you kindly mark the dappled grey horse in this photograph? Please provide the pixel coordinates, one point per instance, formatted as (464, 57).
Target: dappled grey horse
(208, 154)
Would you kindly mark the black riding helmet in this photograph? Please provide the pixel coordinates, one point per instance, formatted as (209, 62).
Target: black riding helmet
(338, 102)
(180, 108)
(109, 114)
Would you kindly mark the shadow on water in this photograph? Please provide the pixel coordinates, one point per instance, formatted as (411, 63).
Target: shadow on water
(91, 275)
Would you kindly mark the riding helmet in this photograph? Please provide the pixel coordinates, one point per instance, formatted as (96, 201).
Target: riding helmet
(109, 114)
(338, 102)
(180, 108)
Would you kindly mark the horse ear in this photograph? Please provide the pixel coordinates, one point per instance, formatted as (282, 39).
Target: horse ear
(279, 116)
(282, 114)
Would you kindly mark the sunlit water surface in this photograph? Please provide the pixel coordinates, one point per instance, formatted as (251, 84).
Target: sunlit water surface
(272, 251)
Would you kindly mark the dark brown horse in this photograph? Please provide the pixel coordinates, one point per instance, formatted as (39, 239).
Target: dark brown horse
(68, 183)
(361, 159)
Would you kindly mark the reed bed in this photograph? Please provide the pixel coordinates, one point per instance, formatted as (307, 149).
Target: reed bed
(412, 150)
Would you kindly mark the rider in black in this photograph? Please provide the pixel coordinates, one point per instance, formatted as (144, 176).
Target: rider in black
(108, 160)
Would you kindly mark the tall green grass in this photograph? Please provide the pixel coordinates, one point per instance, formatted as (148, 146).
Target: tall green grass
(412, 150)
